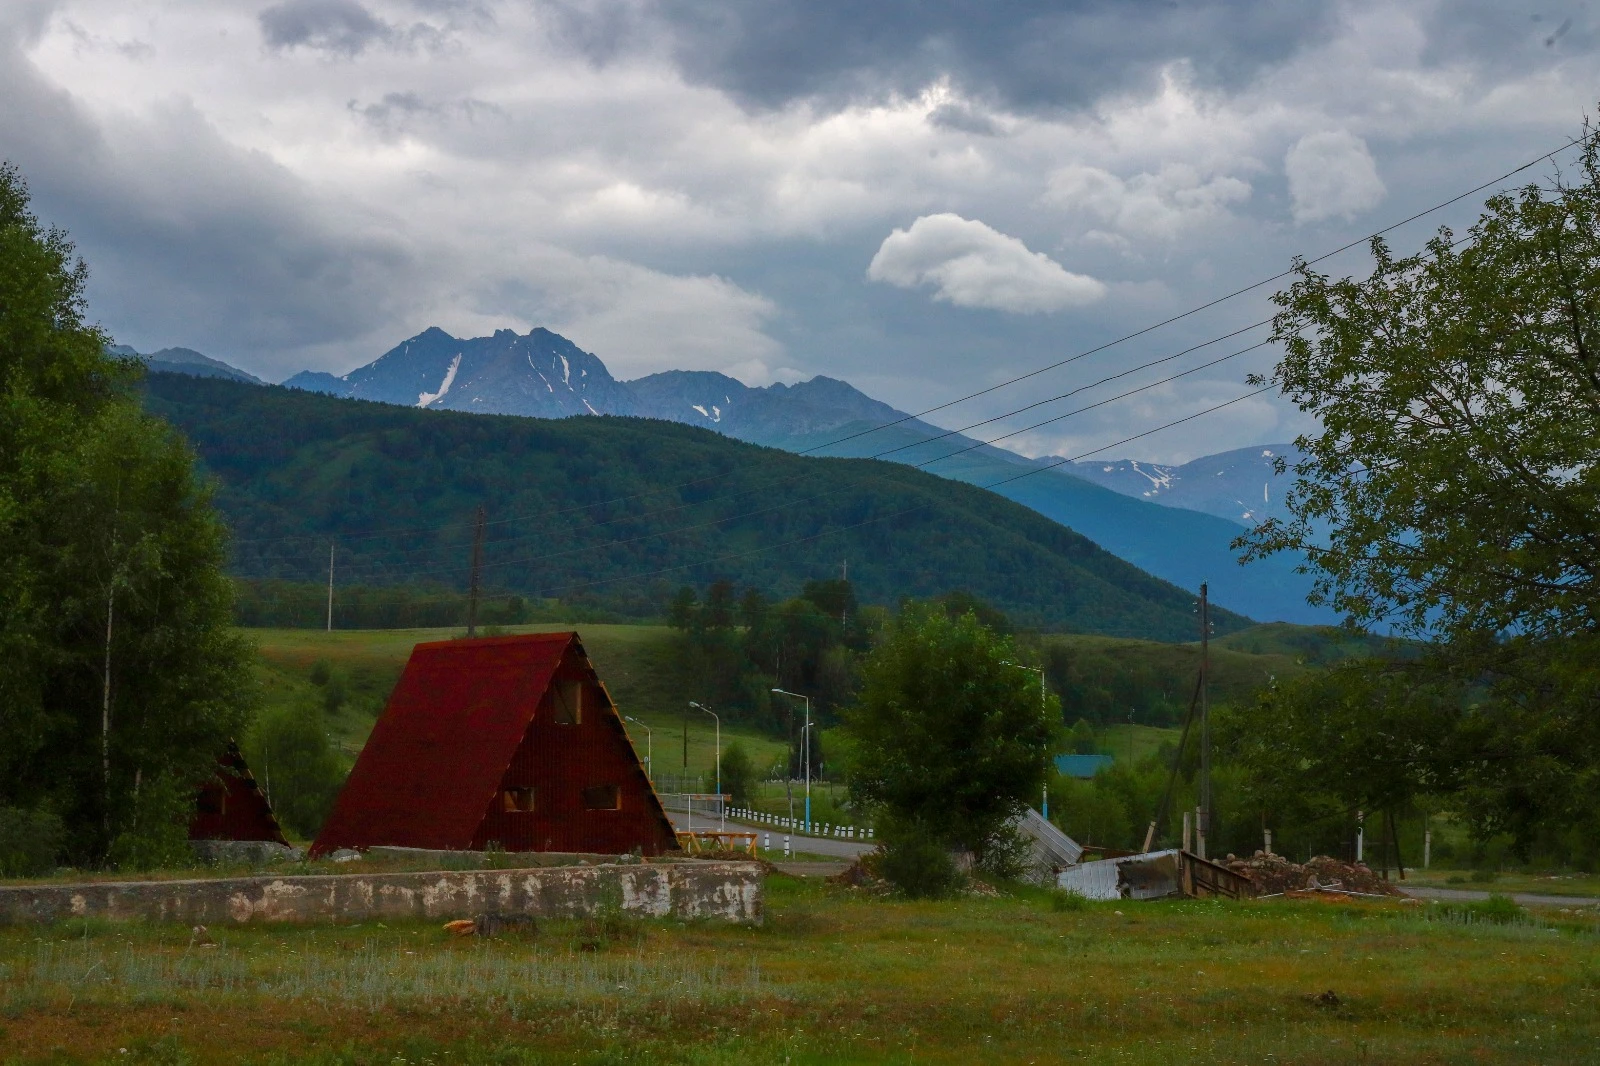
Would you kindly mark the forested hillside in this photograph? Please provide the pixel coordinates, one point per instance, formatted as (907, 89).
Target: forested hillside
(621, 511)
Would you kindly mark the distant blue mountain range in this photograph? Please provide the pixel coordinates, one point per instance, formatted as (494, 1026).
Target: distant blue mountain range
(1176, 522)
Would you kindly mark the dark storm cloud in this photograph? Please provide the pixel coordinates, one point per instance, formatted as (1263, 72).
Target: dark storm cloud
(191, 240)
(1023, 54)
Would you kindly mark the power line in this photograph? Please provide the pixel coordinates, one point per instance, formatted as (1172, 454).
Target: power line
(993, 388)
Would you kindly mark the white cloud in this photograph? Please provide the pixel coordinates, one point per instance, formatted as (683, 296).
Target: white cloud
(972, 265)
(1159, 205)
(1332, 174)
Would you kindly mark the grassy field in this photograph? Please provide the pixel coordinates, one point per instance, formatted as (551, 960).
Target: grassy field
(830, 977)
(1141, 741)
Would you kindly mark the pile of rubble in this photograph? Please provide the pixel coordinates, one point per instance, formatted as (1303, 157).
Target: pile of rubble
(1274, 874)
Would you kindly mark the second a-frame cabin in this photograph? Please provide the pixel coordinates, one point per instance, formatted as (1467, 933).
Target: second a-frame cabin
(504, 742)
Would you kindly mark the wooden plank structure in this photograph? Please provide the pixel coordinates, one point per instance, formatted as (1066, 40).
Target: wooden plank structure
(501, 742)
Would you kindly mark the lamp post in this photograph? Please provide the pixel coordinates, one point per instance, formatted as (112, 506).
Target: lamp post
(721, 806)
(1044, 804)
(806, 759)
(649, 749)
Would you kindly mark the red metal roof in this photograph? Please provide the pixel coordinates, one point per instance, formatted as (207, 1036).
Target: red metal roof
(437, 754)
(470, 719)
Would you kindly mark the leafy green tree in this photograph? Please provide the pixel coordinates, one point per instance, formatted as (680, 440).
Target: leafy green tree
(1082, 739)
(1363, 736)
(123, 679)
(294, 756)
(1455, 484)
(1454, 492)
(947, 738)
(738, 774)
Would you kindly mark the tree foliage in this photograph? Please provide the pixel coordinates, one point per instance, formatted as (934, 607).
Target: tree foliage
(947, 736)
(1452, 493)
(615, 512)
(1454, 484)
(121, 679)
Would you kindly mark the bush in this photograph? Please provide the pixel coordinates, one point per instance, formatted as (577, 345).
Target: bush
(918, 864)
(1007, 854)
(157, 835)
(30, 840)
(1497, 909)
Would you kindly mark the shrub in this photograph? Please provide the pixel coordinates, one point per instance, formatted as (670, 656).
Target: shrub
(1006, 855)
(918, 864)
(158, 832)
(30, 840)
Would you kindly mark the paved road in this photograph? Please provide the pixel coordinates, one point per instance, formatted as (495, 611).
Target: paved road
(1527, 899)
(843, 849)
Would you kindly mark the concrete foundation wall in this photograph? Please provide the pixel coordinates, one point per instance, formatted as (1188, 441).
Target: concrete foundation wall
(721, 891)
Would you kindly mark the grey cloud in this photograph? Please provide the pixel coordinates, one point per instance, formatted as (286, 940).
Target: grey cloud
(964, 119)
(407, 113)
(1023, 54)
(193, 241)
(1496, 38)
(341, 27)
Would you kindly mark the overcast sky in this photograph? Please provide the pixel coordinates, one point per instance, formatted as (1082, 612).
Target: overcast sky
(921, 198)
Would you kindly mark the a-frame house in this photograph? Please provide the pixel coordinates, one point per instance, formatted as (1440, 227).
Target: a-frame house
(504, 742)
(232, 806)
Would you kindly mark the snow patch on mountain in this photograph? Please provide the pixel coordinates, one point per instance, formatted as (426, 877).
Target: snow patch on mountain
(425, 398)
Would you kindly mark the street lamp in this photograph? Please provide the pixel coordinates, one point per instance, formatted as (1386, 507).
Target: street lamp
(1044, 805)
(806, 759)
(723, 807)
(649, 749)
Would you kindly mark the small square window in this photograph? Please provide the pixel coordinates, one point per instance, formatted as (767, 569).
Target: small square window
(566, 699)
(517, 799)
(602, 798)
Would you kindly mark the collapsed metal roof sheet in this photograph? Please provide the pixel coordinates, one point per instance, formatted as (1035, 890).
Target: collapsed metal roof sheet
(1151, 875)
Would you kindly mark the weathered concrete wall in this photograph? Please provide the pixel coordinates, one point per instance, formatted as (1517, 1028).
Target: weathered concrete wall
(724, 891)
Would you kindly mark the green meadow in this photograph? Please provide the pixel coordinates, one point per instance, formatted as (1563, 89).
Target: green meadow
(831, 976)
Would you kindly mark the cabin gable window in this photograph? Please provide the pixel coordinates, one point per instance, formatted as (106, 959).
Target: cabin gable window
(566, 702)
(602, 798)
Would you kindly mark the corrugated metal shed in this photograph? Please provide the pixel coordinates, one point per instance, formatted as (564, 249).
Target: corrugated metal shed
(505, 741)
(231, 806)
(1052, 850)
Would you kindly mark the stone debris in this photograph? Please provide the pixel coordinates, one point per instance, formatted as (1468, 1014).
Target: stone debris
(1274, 874)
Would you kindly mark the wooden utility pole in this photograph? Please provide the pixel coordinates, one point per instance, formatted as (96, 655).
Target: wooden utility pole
(477, 564)
(330, 586)
(1203, 830)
